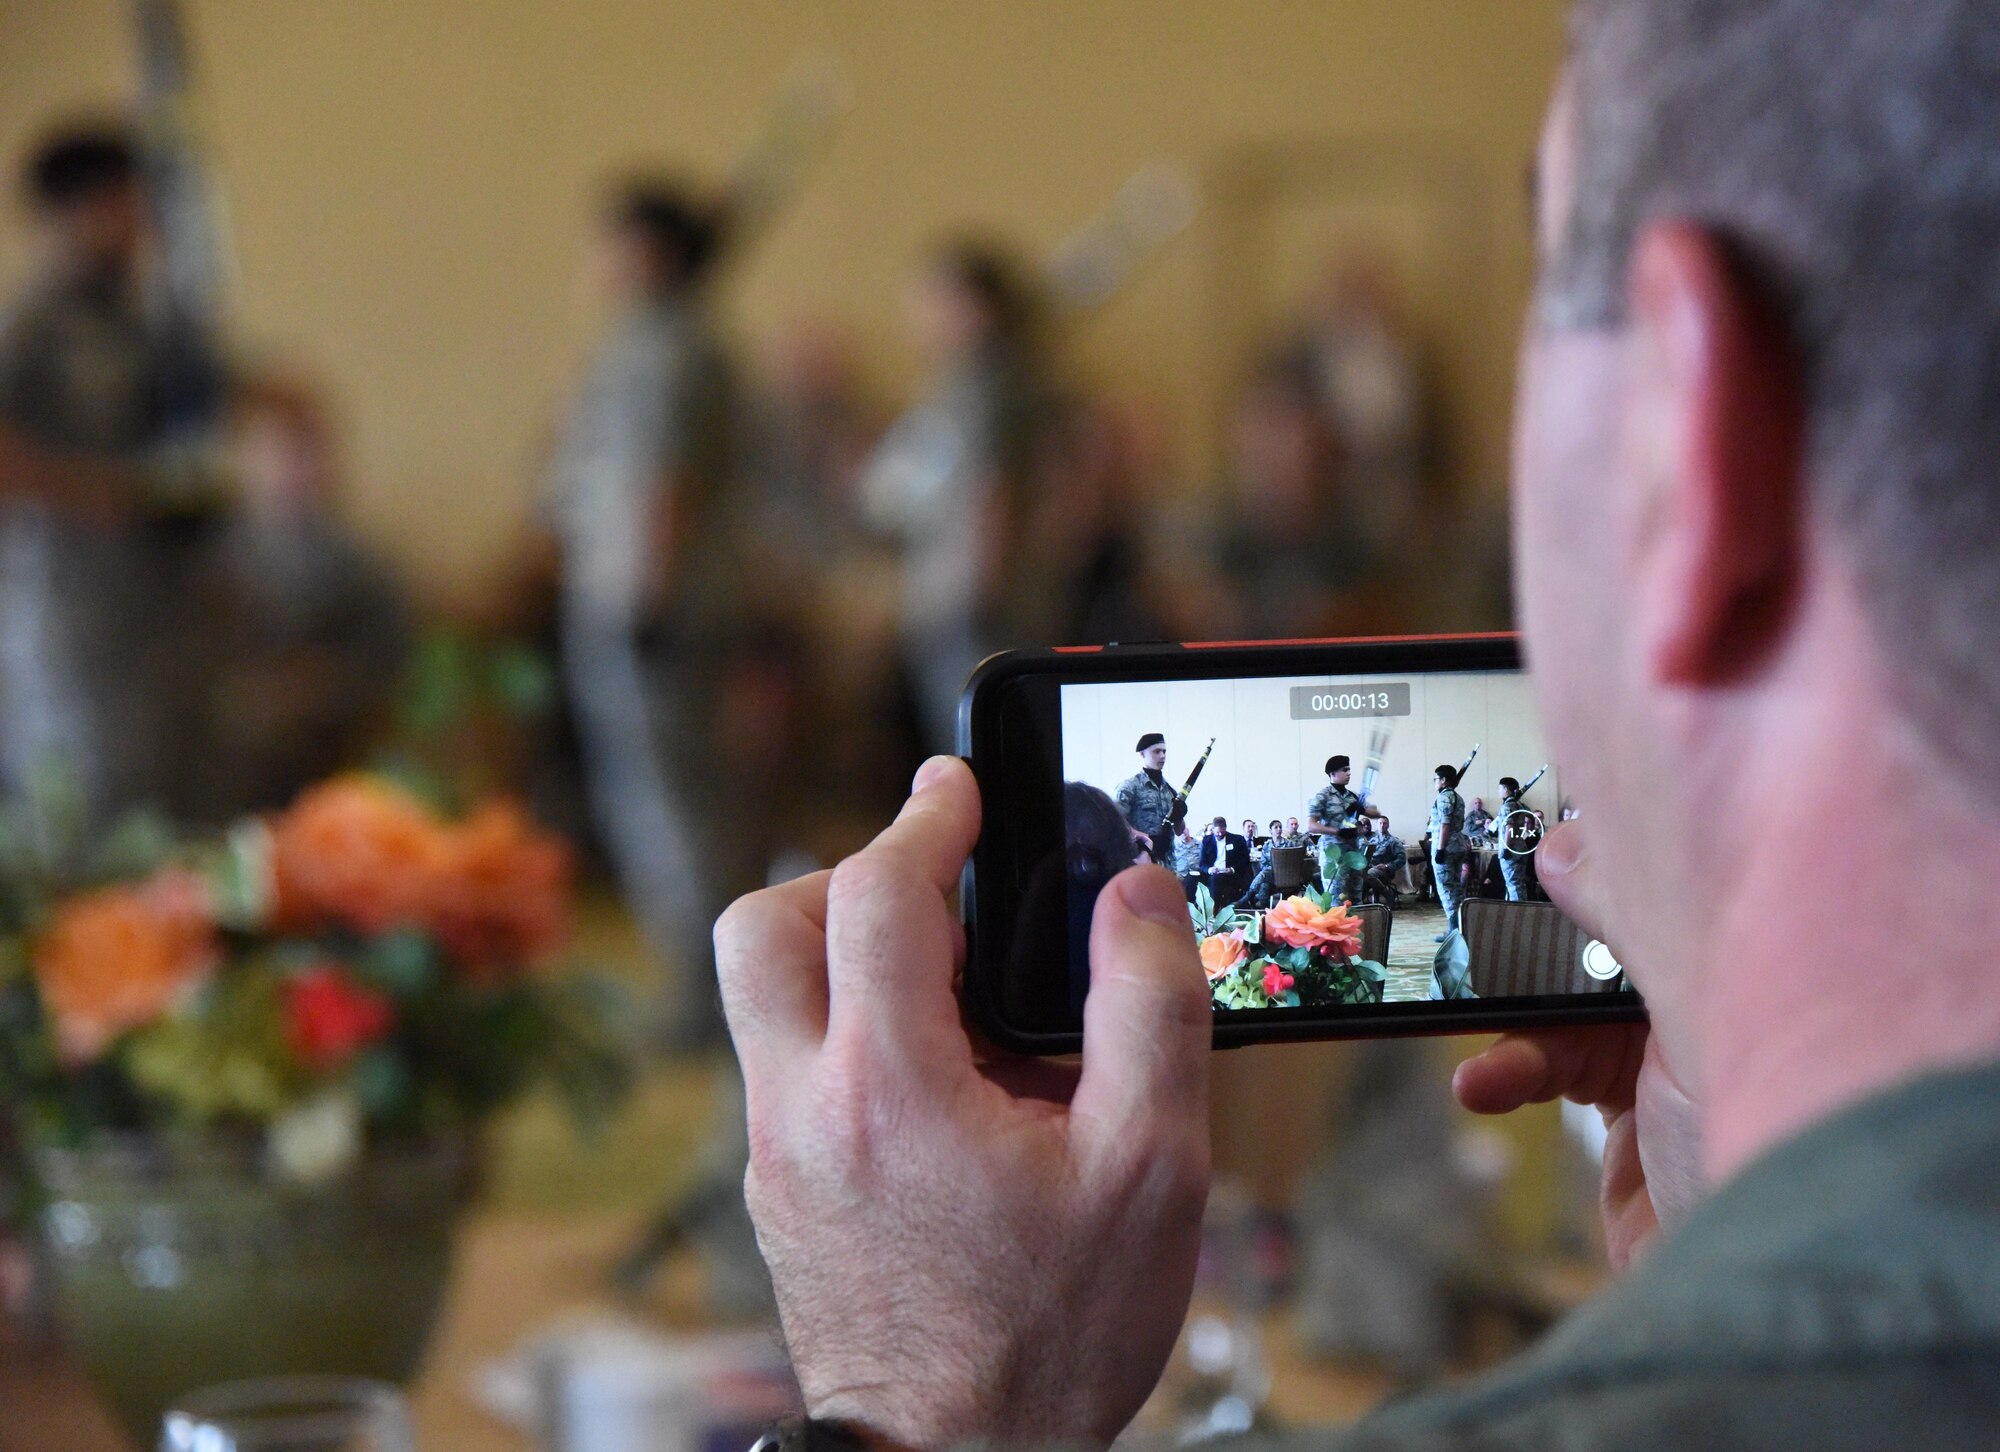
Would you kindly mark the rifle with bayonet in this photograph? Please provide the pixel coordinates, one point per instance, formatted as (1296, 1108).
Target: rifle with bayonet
(1177, 817)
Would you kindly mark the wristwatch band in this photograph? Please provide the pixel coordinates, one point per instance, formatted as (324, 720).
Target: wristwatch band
(803, 1434)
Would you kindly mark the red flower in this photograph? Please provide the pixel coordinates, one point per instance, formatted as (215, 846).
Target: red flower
(329, 1018)
(1276, 980)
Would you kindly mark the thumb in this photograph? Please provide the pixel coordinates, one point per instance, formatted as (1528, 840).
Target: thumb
(1148, 1021)
(1563, 866)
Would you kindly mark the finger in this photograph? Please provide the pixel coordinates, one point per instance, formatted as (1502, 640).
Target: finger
(1563, 865)
(1147, 1021)
(893, 942)
(1596, 1065)
(1631, 1220)
(770, 958)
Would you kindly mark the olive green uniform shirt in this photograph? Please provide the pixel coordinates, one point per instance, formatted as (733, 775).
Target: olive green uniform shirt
(1842, 1293)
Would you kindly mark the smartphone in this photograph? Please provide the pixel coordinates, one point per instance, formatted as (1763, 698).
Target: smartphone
(1335, 811)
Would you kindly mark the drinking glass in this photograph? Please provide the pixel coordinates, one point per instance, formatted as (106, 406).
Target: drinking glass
(290, 1414)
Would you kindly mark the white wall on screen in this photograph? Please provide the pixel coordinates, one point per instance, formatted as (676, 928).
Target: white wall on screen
(1267, 765)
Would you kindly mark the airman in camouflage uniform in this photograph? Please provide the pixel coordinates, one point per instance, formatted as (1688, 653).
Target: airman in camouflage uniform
(1517, 870)
(1387, 858)
(1334, 807)
(1448, 843)
(1149, 803)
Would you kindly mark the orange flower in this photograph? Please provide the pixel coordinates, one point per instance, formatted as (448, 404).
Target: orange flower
(1221, 953)
(1297, 922)
(120, 957)
(355, 853)
(503, 897)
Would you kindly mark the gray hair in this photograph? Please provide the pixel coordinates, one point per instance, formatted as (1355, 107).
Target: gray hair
(1849, 156)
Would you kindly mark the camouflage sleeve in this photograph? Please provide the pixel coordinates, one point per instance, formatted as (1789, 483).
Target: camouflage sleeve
(1128, 802)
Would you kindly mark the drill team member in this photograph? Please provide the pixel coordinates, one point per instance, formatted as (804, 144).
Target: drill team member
(1151, 806)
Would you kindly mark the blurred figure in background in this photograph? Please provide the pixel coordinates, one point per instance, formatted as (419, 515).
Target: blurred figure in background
(1287, 558)
(638, 504)
(808, 548)
(310, 629)
(952, 479)
(104, 377)
(1370, 382)
(1085, 559)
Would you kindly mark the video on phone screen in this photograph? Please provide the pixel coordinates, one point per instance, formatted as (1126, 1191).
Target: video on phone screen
(1340, 840)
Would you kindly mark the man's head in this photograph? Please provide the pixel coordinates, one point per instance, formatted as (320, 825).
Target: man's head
(285, 449)
(1380, 826)
(1218, 827)
(1152, 749)
(1291, 826)
(1755, 436)
(1445, 778)
(660, 239)
(1249, 828)
(83, 185)
(1337, 770)
(1479, 804)
(972, 293)
(1509, 788)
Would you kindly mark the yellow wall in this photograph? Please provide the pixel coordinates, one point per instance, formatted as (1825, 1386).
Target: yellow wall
(409, 180)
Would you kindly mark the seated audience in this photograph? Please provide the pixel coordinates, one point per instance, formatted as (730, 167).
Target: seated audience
(1387, 859)
(1225, 863)
(310, 629)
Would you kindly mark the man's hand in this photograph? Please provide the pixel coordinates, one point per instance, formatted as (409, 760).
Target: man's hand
(1652, 1151)
(966, 1245)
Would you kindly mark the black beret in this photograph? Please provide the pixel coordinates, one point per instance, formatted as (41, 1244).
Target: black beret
(1150, 740)
(1336, 763)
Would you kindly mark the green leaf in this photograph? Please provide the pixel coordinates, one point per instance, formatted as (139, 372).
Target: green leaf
(238, 872)
(383, 1084)
(405, 964)
(224, 1058)
(138, 844)
(521, 679)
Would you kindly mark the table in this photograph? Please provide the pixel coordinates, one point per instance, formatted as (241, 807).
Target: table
(518, 1271)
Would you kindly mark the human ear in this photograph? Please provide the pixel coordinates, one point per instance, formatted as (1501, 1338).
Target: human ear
(1720, 521)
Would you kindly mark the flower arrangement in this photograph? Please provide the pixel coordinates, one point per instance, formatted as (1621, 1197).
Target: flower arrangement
(357, 967)
(1304, 950)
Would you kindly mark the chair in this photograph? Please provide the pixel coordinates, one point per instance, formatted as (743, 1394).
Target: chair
(1376, 921)
(1289, 872)
(1525, 950)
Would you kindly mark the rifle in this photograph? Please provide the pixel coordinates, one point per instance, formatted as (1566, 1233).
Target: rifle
(792, 140)
(1179, 814)
(1468, 763)
(1529, 784)
(193, 250)
(1378, 746)
(1155, 206)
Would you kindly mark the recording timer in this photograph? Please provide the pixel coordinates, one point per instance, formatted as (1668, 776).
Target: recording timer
(1332, 703)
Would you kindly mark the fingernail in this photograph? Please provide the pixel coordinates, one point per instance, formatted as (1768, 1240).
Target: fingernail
(1154, 894)
(1562, 851)
(931, 771)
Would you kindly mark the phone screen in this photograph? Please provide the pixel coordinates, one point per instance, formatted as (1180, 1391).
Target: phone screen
(1342, 840)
